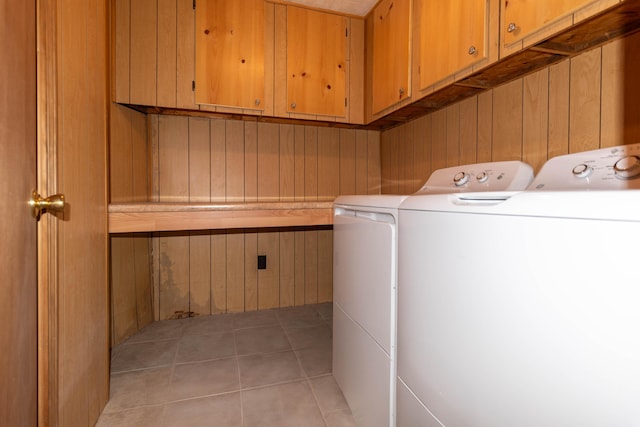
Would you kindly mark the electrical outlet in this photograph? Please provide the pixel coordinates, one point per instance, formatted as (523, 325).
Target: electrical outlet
(262, 262)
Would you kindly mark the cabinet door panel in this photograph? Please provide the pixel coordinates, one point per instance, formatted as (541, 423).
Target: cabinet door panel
(453, 36)
(528, 16)
(230, 53)
(391, 53)
(316, 62)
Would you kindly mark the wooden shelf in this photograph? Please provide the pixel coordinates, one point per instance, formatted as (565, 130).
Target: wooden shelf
(148, 217)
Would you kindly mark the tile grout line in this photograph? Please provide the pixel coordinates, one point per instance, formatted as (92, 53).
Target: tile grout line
(235, 351)
(173, 366)
(306, 376)
(295, 353)
(315, 397)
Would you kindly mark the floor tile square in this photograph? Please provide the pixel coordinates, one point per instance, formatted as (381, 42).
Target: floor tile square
(161, 330)
(261, 340)
(200, 325)
(141, 355)
(252, 319)
(340, 418)
(263, 369)
(312, 336)
(194, 348)
(299, 317)
(138, 388)
(147, 416)
(328, 394)
(220, 411)
(315, 360)
(284, 405)
(204, 378)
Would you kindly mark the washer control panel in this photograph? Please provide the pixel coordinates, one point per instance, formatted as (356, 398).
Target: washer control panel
(615, 168)
(478, 177)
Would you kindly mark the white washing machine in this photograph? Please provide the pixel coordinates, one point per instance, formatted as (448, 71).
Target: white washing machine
(365, 284)
(524, 309)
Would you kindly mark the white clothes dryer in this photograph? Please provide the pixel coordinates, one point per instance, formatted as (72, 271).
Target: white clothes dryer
(522, 310)
(365, 284)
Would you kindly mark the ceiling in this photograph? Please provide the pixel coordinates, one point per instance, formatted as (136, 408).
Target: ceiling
(349, 7)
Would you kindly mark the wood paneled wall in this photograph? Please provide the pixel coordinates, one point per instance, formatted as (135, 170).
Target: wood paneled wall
(583, 103)
(131, 290)
(177, 158)
(216, 160)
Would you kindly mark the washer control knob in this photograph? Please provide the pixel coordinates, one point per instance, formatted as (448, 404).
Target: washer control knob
(482, 177)
(627, 167)
(460, 179)
(581, 171)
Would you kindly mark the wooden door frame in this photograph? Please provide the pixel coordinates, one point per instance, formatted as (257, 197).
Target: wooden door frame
(47, 172)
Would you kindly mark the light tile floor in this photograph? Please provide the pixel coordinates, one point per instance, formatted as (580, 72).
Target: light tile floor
(267, 368)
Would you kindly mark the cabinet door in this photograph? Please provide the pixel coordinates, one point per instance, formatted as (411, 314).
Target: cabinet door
(453, 35)
(524, 22)
(391, 53)
(230, 53)
(316, 62)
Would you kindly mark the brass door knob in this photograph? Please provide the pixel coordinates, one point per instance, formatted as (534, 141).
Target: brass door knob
(39, 205)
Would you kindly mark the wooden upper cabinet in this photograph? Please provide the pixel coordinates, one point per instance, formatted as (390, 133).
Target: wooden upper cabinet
(525, 22)
(454, 36)
(391, 53)
(317, 46)
(230, 53)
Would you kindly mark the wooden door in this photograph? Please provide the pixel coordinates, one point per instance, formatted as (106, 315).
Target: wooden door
(391, 53)
(72, 254)
(316, 62)
(18, 333)
(453, 36)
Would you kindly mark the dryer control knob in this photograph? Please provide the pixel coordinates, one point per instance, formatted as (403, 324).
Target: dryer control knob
(482, 177)
(460, 179)
(581, 171)
(627, 167)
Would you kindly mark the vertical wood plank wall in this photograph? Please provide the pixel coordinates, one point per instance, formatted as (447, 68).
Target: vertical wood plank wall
(131, 291)
(172, 158)
(201, 159)
(583, 103)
